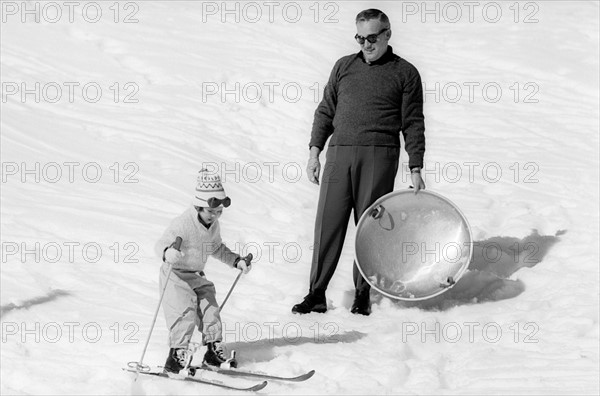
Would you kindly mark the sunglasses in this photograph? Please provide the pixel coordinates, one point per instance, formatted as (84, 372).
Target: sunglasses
(216, 202)
(371, 38)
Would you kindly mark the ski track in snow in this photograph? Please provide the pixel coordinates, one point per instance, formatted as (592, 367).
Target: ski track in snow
(539, 308)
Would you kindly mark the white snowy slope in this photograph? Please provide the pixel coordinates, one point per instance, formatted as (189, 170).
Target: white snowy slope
(90, 179)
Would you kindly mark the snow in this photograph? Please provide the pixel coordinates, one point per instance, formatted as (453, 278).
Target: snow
(89, 185)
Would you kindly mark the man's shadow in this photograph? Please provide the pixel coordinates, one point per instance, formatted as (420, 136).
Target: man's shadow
(494, 261)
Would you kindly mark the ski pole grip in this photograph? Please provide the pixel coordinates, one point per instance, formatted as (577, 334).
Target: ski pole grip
(177, 243)
(248, 257)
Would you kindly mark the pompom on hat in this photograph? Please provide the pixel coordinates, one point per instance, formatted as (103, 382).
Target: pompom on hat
(209, 190)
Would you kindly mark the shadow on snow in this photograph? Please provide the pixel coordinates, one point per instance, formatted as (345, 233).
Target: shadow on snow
(264, 350)
(494, 261)
(50, 296)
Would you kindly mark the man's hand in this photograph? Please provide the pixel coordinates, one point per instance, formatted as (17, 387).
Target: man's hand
(417, 181)
(313, 169)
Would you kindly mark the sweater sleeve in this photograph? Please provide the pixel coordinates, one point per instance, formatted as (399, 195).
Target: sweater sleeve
(174, 230)
(221, 252)
(413, 120)
(224, 254)
(323, 121)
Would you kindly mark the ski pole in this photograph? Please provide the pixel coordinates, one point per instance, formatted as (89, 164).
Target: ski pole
(139, 366)
(232, 286)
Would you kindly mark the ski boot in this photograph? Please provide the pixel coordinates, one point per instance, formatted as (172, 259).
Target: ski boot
(215, 356)
(179, 360)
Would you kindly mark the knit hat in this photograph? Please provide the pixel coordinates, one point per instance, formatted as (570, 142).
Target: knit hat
(208, 186)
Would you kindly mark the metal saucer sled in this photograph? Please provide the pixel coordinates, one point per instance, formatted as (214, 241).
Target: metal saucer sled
(413, 246)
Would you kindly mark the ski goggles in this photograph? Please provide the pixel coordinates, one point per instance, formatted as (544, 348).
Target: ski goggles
(371, 38)
(214, 202)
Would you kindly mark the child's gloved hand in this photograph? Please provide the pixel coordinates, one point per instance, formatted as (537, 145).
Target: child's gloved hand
(172, 255)
(244, 263)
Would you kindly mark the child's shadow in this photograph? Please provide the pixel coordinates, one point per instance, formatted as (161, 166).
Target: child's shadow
(494, 261)
(264, 350)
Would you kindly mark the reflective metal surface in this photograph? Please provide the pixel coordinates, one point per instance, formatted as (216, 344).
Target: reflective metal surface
(413, 246)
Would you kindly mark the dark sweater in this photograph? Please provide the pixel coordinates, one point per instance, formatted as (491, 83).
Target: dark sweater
(369, 104)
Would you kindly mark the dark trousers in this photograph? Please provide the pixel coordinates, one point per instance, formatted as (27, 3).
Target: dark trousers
(353, 178)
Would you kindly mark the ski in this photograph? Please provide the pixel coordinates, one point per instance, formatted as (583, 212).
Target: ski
(220, 384)
(234, 372)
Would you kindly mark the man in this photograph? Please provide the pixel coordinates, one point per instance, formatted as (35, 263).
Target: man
(370, 97)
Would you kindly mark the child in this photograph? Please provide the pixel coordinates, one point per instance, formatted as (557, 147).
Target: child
(190, 298)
